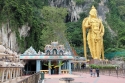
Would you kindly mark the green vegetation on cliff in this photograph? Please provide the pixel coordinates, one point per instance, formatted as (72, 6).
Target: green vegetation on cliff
(43, 24)
(74, 34)
(46, 21)
(54, 25)
(116, 20)
(20, 12)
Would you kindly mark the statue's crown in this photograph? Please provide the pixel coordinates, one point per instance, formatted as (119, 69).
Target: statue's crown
(93, 7)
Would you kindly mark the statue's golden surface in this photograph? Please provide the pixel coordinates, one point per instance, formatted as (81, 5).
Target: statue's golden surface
(94, 35)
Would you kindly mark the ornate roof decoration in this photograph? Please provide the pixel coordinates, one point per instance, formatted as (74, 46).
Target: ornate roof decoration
(48, 57)
(30, 51)
(54, 43)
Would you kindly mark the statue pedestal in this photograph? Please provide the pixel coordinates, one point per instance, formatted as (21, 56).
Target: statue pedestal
(94, 61)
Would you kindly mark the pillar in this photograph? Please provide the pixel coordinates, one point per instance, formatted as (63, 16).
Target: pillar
(80, 65)
(69, 66)
(37, 65)
(59, 67)
(7, 73)
(41, 65)
(49, 65)
(14, 72)
(3, 74)
(64, 65)
(27, 68)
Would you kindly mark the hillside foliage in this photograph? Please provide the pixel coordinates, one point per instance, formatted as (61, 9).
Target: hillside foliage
(116, 20)
(53, 25)
(20, 12)
(48, 24)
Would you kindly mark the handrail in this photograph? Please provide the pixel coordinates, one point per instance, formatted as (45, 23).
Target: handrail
(31, 79)
(109, 72)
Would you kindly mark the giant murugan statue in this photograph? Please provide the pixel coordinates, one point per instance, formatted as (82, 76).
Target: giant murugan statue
(94, 35)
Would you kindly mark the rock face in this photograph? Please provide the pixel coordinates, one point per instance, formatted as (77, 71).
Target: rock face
(8, 37)
(75, 9)
(102, 10)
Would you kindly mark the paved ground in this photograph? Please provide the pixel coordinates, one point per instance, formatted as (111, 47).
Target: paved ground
(84, 78)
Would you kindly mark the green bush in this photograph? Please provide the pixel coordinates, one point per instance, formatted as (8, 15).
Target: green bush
(103, 66)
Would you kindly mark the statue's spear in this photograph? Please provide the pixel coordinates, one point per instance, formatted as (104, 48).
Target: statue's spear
(84, 37)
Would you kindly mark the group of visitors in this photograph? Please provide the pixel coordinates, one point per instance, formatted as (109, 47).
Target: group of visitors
(94, 72)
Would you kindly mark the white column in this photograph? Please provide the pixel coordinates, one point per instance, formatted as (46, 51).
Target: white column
(7, 73)
(65, 65)
(3, 71)
(59, 67)
(41, 65)
(69, 63)
(38, 65)
(11, 70)
(80, 65)
(14, 72)
(49, 64)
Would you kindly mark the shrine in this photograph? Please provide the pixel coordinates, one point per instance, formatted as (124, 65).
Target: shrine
(55, 60)
(10, 65)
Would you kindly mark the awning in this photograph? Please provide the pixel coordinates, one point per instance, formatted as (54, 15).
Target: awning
(47, 57)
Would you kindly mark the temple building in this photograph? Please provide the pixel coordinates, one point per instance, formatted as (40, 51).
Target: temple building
(55, 60)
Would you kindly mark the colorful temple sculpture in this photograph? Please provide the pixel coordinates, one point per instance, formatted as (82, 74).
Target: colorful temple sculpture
(55, 60)
(10, 65)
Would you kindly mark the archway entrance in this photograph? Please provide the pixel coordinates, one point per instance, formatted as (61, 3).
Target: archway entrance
(30, 66)
(44, 65)
(55, 68)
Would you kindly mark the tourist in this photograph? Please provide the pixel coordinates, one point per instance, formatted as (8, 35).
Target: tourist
(83, 65)
(91, 72)
(97, 72)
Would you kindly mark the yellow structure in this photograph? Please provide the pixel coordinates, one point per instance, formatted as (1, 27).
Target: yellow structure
(94, 35)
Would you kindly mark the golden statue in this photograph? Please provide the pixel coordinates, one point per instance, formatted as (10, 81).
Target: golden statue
(95, 34)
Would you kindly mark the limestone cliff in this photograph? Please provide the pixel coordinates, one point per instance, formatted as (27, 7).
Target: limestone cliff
(75, 9)
(8, 37)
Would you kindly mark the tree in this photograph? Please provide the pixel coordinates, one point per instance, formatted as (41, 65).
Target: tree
(53, 23)
(75, 35)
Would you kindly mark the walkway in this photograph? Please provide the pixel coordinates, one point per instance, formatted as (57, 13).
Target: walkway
(84, 78)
